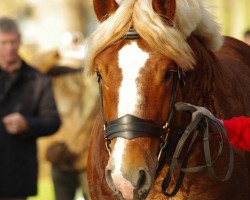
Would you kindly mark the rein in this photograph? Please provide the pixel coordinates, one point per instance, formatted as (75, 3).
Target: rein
(200, 122)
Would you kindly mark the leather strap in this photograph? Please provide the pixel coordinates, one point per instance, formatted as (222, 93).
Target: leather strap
(132, 34)
(101, 100)
(130, 127)
(200, 119)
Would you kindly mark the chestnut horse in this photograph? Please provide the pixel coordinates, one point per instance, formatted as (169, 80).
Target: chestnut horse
(137, 70)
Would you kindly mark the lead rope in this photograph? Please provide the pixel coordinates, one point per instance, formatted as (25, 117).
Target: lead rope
(209, 164)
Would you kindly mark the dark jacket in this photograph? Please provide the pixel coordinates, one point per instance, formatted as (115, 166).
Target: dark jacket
(29, 93)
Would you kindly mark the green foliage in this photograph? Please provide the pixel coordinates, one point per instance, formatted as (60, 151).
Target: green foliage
(45, 190)
(233, 15)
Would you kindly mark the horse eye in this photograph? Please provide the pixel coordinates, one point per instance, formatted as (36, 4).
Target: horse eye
(167, 75)
(98, 74)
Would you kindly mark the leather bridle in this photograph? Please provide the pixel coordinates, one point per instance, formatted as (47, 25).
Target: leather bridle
(129, 126)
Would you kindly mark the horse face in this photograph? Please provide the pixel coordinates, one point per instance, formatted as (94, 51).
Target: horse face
(136, 80)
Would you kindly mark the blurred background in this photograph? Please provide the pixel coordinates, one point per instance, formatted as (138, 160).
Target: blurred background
(48, 29)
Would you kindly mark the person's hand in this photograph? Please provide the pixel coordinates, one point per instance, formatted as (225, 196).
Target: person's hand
(15, 123)
(195, 110)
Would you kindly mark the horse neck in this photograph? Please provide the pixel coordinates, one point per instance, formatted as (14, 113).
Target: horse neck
(198, 83)
(219, 81)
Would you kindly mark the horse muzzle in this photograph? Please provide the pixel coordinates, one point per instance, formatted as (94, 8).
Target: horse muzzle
(133, 181)
(130, 185)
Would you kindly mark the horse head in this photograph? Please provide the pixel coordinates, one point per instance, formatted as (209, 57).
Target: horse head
(138, 53)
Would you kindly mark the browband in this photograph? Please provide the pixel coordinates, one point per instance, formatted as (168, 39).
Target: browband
(132, 34)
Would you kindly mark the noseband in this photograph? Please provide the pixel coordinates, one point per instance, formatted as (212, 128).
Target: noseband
(131, 127)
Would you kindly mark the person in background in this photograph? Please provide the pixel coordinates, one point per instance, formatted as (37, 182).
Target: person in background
(238, 128)
(27, 111)
(246, 38)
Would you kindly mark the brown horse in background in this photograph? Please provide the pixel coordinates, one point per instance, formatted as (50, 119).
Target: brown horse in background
(77, 102)
(136, 72)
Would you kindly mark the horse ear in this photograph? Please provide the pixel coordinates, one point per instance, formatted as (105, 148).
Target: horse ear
(165, 8)
(103, 8)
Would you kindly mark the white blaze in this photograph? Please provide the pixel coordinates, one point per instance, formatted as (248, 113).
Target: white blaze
(131, 60)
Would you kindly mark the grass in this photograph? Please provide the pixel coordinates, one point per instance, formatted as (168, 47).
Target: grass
(45, 184)
(45, 190)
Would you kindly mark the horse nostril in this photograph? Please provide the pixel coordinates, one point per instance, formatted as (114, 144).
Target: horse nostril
(129, 184)
(144, 182)
(142, 179)
(109, 179)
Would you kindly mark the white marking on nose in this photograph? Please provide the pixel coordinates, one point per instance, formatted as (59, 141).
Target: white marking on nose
(117, 154)
(131, 60)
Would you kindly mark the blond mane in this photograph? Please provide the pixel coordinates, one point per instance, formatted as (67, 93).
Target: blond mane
(191, 16)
